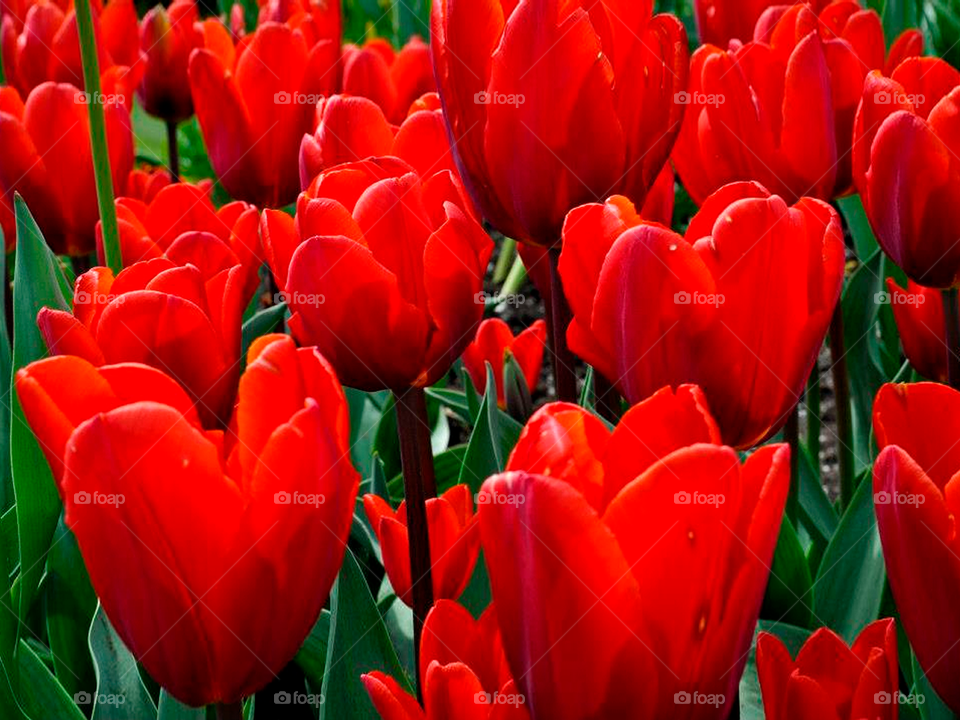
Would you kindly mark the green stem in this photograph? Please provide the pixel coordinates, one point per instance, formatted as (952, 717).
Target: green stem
(173, 150)
(841, 392)
(813, 418)
(951, 318)
(98, 137)
(791, 433)
(508, 251)
(515, 279)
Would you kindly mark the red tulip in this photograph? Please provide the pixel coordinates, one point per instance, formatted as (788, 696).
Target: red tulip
(255, 101)
(652, 308)
(780, 109)
(917, 429)
(382, 244)
(493, 341)
(463, 672)
(180, 313)
(828, 680)
(150, 227)
(350, 129)
(320, 18)
(628, 568)
(454, 542)
(918, 312)
(392, 80)
(906, 170)
(144, 183)
(553, 104)
(212, 554)
(47, 159)
(47, 46)
(167, 36)
(720, 21)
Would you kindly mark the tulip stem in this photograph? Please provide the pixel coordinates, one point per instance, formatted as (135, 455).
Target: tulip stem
(558, 318)
(813, 417)
(791, 434)
(173, 151)
(606, 398)
(98, 137)
(951, 317)
(419, 485)
(841, 393)
(515, 278)
(230, 711)
(508, 251)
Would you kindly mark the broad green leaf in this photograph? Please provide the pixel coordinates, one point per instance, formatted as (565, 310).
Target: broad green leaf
(788, 590)
(932, 707)
(42, 696)
(864, 241)
(120, 692)
(264, 322)
(9, 707)
(454, 400)
(172, 709)
(70, 605)
(312, 657)
(477, 596)
(38, 282)
(399, 621)
(447, 467)
(491, 441)
(386, 440)
(364, 418)
(358, 643)
(816, 509)
(6, 375)
(849, 586)
(751, 703)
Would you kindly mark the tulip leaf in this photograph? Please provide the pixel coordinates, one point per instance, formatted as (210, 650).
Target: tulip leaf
(312, 657)
(42, 696)
(816, 509)
(447, 467)
(264, 322)
(788, 590)
(453, 400)
(588, 393)
(932, 707)
(398, 618)
(864, 241)
(120, 691)
(849, 586)
(38, 282)
(515, 390)
(751, 702)
(364, 416)
(491, 441)
(387, 441)
(172, 709)
(6, 481)
(359, 643)
(70, 606)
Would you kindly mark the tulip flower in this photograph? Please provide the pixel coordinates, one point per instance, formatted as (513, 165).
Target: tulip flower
(150, 227)
(180, 313)
(720, 21)
(462, 670)
(167, 37)
(652, 308)
(392, 80)
(494, 340)
(212, 554)
(551, 106)
(374, 240)
(628, 568)
(454, 542)
(354, 128)
(47, 46)
(918, 312)
(917, 431)
(47, 159)
(145, 182)
(906, 170)
(780, 109)
(255, 101)
(829, 680)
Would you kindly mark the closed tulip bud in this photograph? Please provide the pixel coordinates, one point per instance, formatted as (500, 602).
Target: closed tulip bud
(554, 104)
(167, 37)
(652, 308)
(48, 160)
(662, 524)
(917, 501)
(393, 80)
(828, 679)
(493, 341)
(212, 553)
(720, 21)
(918, 312)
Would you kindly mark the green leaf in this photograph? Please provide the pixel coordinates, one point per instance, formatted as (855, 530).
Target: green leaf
(453, 400)
(172, 709)
(6, 376)
(387, 442)
(588, 393)
(517, 394)
(447, 467)
(120, 692)
(932, 708)
(849, 586)
(312, 657)
(816, 509)
(491, 441)
(263, 322)
(42, 696)
(864, 241)
(358, 643)
(788, 590)
(751, 703)
(70, 605)
(38, 282)
(364, 418)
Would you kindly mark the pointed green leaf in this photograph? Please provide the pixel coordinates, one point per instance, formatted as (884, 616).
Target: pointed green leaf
(491, 441)
(120, 691)
(172, 709)
(266, 321)
(42, 696)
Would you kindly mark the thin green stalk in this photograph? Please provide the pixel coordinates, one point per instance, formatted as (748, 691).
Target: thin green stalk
(813, 418)
(98, 137)
(508, 251)
(841, 391)
(515, 279)
(791, 433)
